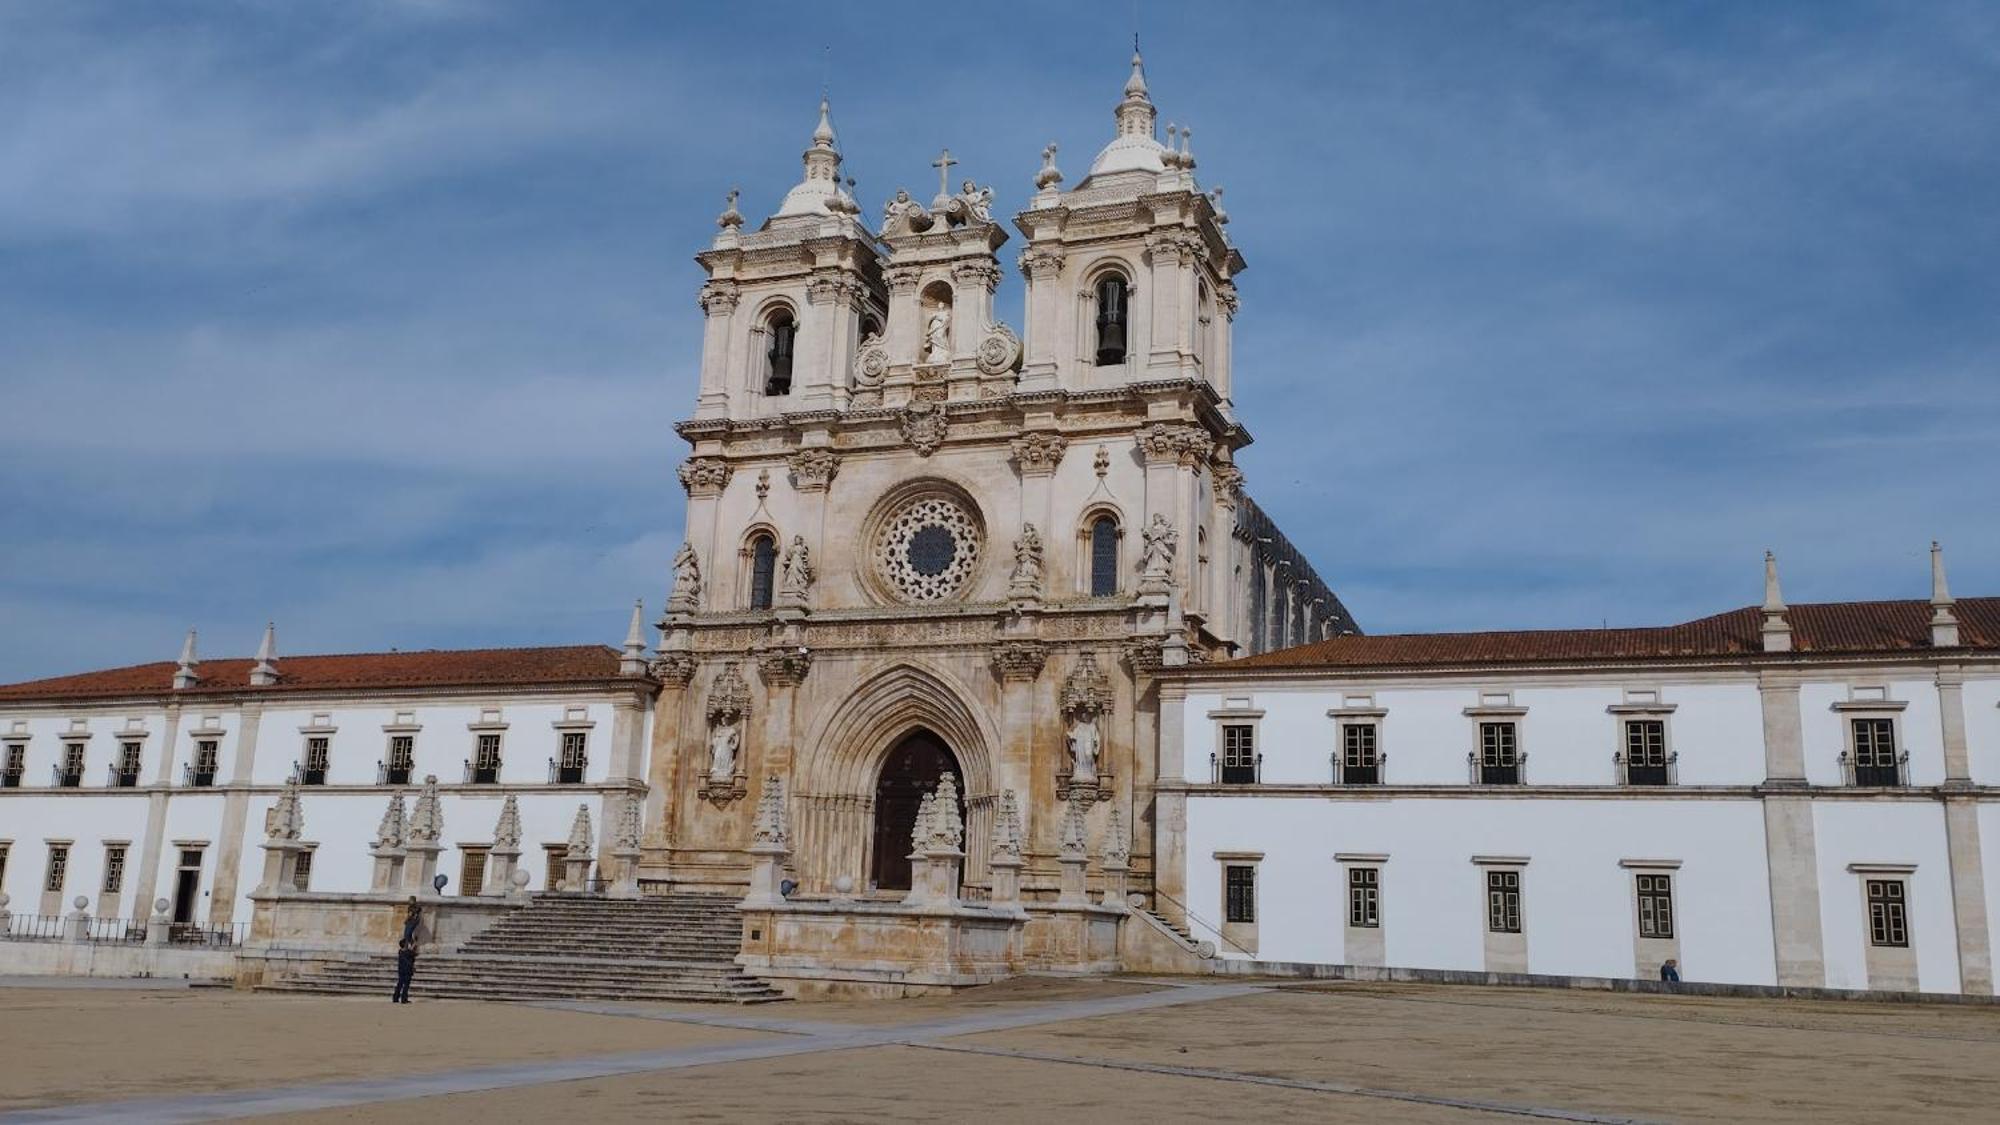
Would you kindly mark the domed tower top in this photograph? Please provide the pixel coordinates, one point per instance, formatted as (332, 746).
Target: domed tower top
(821, 185)
(1134, 149)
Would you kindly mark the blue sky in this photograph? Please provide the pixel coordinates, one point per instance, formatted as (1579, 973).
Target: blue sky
(374, 318)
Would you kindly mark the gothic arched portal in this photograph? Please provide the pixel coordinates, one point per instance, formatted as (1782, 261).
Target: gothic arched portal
(911, 770)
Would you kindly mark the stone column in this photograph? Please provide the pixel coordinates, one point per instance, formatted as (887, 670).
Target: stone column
(235, 815)
(1790, 850)
(705, 478)
(674, 669)
(1042, 265)
(1163, 299)
(719, 299)
(770, 845)
(1962, 843)
(782, 666)
(1170, 806)
(905, 319)
(156, 810)
(1004, 852)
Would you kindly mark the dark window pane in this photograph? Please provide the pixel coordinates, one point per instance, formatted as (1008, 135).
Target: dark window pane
(1103, 557)
(763, 570)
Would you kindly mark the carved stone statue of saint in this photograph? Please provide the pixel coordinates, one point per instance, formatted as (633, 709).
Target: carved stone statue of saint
(798, 576)
(937, 336)
(722, 742)
(1026, 581)
(1083, 747)
(1156, 558)
(686, 593)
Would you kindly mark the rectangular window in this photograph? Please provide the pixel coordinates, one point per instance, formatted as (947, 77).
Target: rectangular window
(1240, 893)
(16, 765)
(1503, 902)
(1887, 922)
(554, 854)
(58, 872)
(5, 847)
(1364, 897)
(1239, 754)
(312, 770)
(128, 764)
(1499, 754)
(574, 758)
(1645, 752)
(1875, 752)
(1656, 906)
(402, 759)
(70, 775)
(1360, 764)
(486, 761)
(201, 771)
(472, 871)
(302, 871)
(114, 868)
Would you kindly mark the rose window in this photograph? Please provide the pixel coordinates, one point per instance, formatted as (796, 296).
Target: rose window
(928, 550)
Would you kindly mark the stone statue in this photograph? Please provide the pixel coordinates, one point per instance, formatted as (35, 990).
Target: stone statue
(722, 742)
(1156, 558)
(1027, 578)
(937, 336)
(1083, 747)
(686, 595)
(973, 202)
(798, 571)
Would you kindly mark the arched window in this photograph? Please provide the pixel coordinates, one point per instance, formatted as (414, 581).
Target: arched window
(1200, 596)
(783, 333)
(763, 570)
(1111, 320)
(1103, 557)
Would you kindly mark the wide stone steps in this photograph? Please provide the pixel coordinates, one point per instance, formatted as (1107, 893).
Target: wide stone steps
(672, 948)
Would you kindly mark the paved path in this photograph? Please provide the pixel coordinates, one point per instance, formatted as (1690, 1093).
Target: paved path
(788, 1037)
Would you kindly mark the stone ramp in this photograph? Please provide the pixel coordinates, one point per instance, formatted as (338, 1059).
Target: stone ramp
(573, 947)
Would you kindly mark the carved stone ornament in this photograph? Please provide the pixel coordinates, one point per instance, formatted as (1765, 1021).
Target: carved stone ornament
(672, 668)
(1086, 693)
(285, 820)
(1143, 655)
(1187, 446)
(770, 828)
(945, 829)
(1020, 660)
(1117, 849)
(904, 215)
(784, 665)
(631, 817)
(686, 594)
(729, 695)
(1228, 483)
(923, 426)
(719, 298)
(1007, 829)
(1026, 582)
(427, 818)
(704, 476)
(1073, 844)
(579, 835)
(1041, 264)
(936, 345)
(390, 833)
(814, 469)
(507, 830)
(928, 550)
(796, 584)
(728, 706)
(1039, 453)
(999, 352)
(871, 362)
(1156, 556)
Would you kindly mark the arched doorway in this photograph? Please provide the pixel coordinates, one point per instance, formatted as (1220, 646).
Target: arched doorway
(912, 769)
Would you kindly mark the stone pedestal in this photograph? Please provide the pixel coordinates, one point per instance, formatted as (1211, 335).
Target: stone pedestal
(281, 866)
(627, 884)
(1114, 884)
(76, 927)
(159, 927)
(1072, 880)
(1006, 875)
(934, 877)
(500, 866)
(420, 868)
(767, 875)
(576, 873)
(388, 870)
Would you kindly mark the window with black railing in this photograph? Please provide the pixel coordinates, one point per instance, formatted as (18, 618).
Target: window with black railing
(1876, 762)
(401, 762)
(1360, 754)
(200, 773)
(1498, 761)
(484, 768)
(575, 759)
(125, 771)
(15, 765)
(1645, 757)
(1239, 754)
(69, 771)
(313, 765)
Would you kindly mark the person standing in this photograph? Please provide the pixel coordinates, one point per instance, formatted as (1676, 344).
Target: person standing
(406, 952)
(1670, 971)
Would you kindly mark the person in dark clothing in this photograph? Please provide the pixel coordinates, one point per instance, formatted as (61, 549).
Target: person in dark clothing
(1670, 971)
(406, 952)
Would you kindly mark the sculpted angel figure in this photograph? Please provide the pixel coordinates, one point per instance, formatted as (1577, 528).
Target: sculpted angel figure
(722, 752)
(978, 201)
(937, 336)
(1156, 559)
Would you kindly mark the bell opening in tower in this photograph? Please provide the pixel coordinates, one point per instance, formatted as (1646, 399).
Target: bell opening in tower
(1110, 321)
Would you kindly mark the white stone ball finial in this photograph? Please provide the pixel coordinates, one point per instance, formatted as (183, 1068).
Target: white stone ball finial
(161, 906)
(519, 878)
(80, 902)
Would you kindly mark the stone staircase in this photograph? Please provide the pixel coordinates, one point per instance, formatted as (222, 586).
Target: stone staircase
(573, 947)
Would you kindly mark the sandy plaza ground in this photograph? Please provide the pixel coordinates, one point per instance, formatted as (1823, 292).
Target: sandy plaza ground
(1033, 1049)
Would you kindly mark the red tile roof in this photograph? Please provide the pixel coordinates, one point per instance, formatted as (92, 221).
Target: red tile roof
(1828, 628)
(490, 667)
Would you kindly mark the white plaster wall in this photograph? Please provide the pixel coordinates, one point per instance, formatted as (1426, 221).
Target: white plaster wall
(442, 746)
(47, 732)
(1884, 832)
(1923, 729)
(1825, 729)
(87, 820)
(197, 815)
(1578, 909)
(1981, 699)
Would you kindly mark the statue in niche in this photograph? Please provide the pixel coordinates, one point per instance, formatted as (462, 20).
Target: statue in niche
(1156, 559)
(937, 336)
(1027, 577)
(798, 571)
(722, 743)
(1083, 747)
(686, 593)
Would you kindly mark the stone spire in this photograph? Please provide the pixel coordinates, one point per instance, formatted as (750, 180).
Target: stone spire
(1073, 843)
(579, 835)
(770, 828)
(821, 185)
(285, 820)
(507, 830)
(265, 674)
(1135, 113)
(1777, 631)
(1007, 828)
(187, 674)
(1117, 849)
(633, 661)
(1944, 620)
(395, 823)
(427, 818)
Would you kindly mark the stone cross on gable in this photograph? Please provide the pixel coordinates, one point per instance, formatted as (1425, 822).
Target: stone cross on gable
(943, 164)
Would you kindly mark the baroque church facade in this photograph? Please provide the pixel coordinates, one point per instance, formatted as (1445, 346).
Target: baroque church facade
(920, 543)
